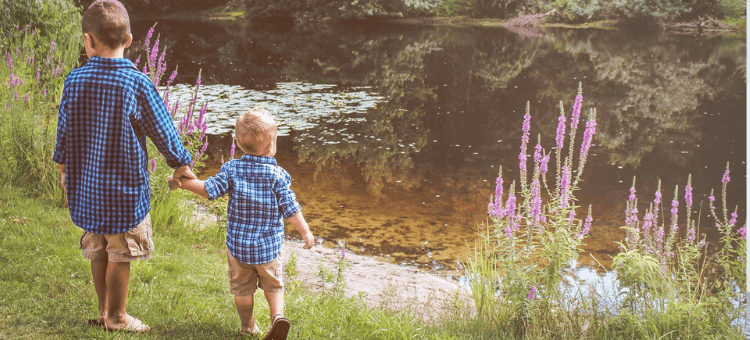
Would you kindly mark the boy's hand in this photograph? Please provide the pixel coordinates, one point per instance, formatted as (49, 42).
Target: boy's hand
(309, 240)
(183, 172)
(173, 184)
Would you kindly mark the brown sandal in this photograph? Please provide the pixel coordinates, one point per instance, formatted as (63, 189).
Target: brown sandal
(279, 328)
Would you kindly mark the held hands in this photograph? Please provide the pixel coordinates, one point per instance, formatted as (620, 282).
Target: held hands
(180, 173)
(173, 183)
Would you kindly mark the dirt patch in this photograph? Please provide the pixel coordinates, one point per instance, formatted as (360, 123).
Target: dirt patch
(379, 284)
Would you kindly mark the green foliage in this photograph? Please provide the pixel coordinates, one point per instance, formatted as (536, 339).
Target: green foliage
(35, 59)
(336, 10)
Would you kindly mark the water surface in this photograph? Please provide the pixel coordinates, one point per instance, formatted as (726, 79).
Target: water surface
(394, 133)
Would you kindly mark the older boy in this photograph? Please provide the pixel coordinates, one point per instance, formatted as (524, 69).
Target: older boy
(106, 111)
(259, 198)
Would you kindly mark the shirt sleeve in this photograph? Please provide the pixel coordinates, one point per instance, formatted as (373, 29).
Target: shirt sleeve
(159, 126)
(219, 184)
(288, 205)
(59, 156)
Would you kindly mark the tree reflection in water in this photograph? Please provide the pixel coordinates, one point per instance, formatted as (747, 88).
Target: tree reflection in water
(414, 172)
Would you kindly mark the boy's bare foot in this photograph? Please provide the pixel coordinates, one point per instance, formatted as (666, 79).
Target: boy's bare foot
(127, 324)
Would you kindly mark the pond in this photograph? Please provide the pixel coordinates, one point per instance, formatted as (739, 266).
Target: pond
(394, 133)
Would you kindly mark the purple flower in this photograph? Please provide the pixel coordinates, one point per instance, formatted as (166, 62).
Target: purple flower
(148, 39)
(524, 141)
(52, 47)
(588, 136)
(543, 165)
(571, 216)
(532, 293)
(538, 153)
(725, 178)
(137, 61)
(496, 208)
(560, 137)
(231, 150)
(689, 195)
(153, 165)
(44, 92)
(204, 147)
(536, 201)
(743, 232)
(564, 187)
(586, 226)
(660, 237)
(198, 82)
(632, 194)
(732, 220)
(576, 115)
(26, 100)
(508, 231)
(711, 198)
(657, 198)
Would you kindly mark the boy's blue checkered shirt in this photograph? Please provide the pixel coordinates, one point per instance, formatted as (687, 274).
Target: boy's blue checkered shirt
(107, 109)
(259, 199)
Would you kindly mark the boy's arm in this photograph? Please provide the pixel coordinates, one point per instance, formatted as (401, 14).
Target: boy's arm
(159, 126)
(299, 223)
(195, 186)
(61, 167)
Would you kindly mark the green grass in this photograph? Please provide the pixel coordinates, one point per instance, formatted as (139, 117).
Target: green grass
(46, 290)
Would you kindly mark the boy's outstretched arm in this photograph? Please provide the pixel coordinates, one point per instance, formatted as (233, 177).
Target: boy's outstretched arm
(195, 186)
(300, 224)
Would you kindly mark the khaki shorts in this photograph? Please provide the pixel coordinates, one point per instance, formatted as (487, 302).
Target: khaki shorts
(132, 245)
(245, 278)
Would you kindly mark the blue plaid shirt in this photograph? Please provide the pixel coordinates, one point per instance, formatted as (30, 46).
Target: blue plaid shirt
(259, 199)
(107, 109)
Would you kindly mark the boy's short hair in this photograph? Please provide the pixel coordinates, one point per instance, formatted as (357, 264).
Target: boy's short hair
(108, 21)
(255, 131)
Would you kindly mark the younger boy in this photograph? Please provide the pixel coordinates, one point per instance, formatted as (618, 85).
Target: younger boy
(259, 198)
(106, 111)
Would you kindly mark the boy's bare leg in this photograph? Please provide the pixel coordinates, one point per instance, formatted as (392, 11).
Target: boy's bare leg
(118, 277)
(99, 275)
(275, 303)
(244, 306)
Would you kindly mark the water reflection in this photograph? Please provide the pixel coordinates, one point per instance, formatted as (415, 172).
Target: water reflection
(407, 172)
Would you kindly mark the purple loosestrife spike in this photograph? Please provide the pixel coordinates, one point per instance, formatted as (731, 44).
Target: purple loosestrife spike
(532, 293)
(153, 165)
(26, 100)
(538, 153)
(725, 178)
(571, 216)
(137, 61)
(691, 235)
(10, 61)
(496, 207)
(154, 54)
(198, 82)
(543, 165)
(689, 195)
(732, 221)
(44, 92)
(564, 187)
(231, 150)
(204, 147)
(743, 232)
(586, 226)
(588, 137)
(524, 142)
(148, 39)
(52, 47)
(536, 201)
(560, 137)
(575, 118)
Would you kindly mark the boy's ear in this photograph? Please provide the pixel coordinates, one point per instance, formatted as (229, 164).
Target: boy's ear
(130, 40)
(87, 40)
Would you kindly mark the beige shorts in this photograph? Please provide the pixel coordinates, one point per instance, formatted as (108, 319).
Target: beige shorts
(132, 245)
(245, 278)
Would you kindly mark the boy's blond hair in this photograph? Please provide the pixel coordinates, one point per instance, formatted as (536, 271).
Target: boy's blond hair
(108, 21)
(255, 131)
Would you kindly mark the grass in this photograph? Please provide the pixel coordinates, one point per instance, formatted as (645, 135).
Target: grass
(46, 290)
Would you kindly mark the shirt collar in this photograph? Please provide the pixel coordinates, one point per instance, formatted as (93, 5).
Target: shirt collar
(258, 159)
(110, 62)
